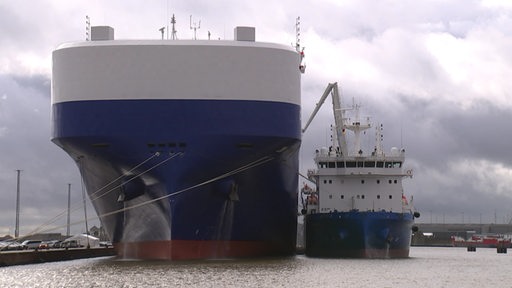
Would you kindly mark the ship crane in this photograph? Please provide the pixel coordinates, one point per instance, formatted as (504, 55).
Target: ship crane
(340, 121)
(332, 89)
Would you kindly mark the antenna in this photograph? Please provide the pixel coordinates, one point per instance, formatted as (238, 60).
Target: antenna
(302, 67)
(194, 27)
(401, 134)
(378, 140)
(297, 34)
(167, 21)
(173, 21)
(87, 28)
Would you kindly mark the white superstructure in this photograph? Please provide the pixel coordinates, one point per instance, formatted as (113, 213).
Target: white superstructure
(183, 69)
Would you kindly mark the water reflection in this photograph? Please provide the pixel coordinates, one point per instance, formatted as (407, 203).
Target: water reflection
(427, 267)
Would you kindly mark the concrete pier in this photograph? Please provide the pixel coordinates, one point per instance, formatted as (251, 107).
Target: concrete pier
(52, 255)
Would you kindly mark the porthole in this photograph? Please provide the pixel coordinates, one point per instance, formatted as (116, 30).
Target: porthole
(330, 196)
(378, 181)
(362, 181)
(390, 196)
(342, 196)
(378, 196)
(395, 181)
(362, 196)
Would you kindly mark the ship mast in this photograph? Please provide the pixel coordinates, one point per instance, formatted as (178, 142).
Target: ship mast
(173, 22)
(357, 127)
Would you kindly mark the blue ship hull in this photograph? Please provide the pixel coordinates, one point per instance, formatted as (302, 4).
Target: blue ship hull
(358, 234)
(224, 183)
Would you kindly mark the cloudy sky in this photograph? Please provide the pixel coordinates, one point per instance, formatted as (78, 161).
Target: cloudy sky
(436, 74)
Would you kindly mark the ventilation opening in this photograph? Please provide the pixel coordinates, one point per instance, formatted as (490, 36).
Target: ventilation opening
(101, 145)
(245, 145)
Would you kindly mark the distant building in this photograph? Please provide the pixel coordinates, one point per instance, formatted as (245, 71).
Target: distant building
(440, 234)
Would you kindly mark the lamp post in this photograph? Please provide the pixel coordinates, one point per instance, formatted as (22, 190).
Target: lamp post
(17, 227)
(69, 208)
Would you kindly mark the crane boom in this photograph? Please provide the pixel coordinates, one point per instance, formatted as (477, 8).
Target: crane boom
(332, 88)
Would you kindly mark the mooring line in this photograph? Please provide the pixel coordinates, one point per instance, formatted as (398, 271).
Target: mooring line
(253, 164)
(40, 228)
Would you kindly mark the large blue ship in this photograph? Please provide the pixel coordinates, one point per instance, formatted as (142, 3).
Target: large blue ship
(188, 148)
(358, 207)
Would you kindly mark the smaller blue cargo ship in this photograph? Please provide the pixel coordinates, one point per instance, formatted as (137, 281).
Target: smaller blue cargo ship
(358, 208)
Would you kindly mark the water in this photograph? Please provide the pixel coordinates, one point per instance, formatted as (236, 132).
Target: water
(427, 267)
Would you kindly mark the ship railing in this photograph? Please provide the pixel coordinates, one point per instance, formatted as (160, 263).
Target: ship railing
(359, 172)
(339, 157)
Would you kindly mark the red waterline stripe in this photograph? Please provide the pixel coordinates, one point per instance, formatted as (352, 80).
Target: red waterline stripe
(189, 249)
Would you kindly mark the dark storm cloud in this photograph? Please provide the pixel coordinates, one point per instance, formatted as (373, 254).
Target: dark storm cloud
(440, 127)
(459, 155)
(39, 83)
(484, 130)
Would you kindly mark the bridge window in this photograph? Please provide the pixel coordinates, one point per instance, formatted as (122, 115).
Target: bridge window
(351, 164)
(340, 164)
(369, 164)
(332, 164)
(380, 164)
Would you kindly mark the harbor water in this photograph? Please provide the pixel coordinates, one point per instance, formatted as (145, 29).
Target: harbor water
(426, 267)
